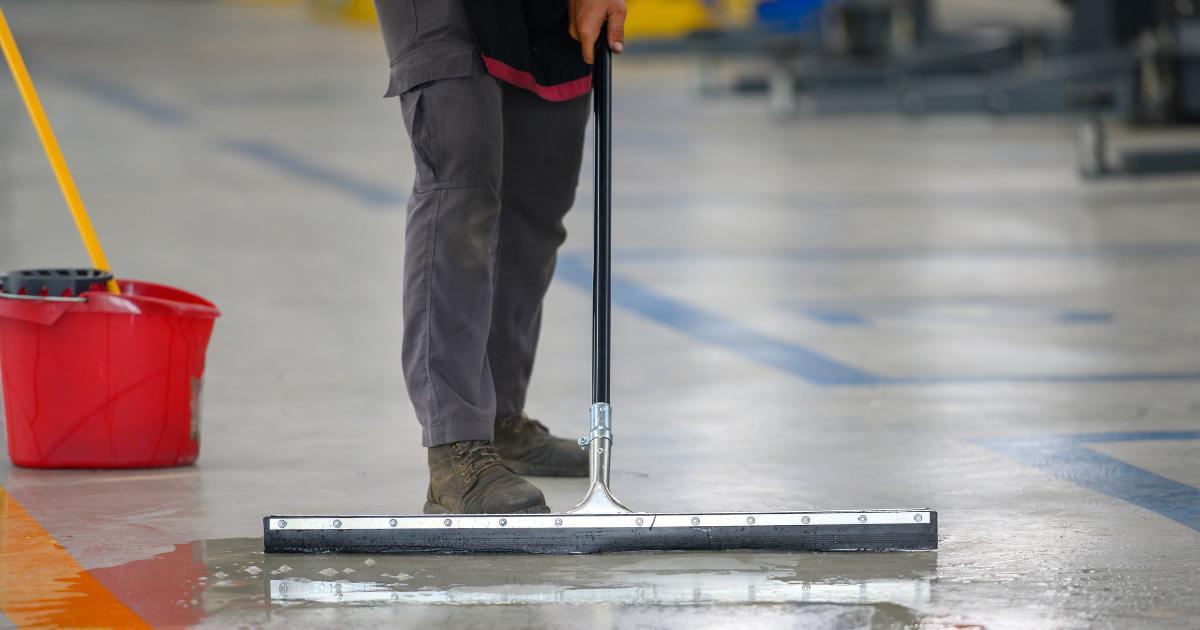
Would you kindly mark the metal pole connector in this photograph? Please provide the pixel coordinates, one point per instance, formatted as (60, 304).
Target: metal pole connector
(601, 424)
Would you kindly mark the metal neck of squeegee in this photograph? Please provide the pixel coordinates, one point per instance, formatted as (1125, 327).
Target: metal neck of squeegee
(599, 442)
(599, 499)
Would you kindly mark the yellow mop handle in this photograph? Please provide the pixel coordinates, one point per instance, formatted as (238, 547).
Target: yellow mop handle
(53, 152)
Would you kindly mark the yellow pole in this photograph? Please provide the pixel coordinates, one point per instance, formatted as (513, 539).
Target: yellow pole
(53, 152)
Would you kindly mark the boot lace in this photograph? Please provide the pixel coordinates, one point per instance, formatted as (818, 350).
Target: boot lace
(476, 457)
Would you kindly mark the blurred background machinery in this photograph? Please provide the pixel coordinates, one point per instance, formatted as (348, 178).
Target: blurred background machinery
(1132, 63)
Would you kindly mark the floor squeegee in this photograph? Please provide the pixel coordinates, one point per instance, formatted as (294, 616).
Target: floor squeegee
(601, 523)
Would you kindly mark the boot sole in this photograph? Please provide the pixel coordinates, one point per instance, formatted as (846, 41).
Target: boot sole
(538, 470)
(437, 508)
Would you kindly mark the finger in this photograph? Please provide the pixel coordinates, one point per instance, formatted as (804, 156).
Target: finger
(588, 35)
(574, 32)
(616, 31)
(588, 56)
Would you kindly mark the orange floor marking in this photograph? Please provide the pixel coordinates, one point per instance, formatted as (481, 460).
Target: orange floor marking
(42, 586)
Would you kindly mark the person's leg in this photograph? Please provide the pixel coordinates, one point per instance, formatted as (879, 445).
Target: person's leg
(456, 129)
(543, 149)
(453, 218)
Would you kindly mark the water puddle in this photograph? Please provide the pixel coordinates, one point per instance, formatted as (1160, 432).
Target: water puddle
(231, 581)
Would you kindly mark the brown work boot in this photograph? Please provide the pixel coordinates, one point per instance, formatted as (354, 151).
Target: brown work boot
(528, 449)
(469, 478)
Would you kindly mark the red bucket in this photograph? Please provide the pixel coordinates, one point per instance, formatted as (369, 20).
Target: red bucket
(103, 380)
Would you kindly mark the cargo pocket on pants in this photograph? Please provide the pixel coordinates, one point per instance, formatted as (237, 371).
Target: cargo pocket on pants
(415, 123)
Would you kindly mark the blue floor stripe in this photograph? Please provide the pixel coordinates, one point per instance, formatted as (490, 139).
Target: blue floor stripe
(290, 163)
(834, 317)
(998, 311)
(719, 331)
(792, 358)
(1069, 458)
(299, 166)
(127, 98)
(902, 254)
(1098, 438)
(1086, 317)
(676, 198)
(1114, 377)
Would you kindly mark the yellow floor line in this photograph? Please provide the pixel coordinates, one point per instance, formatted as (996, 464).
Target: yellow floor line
(42, 586)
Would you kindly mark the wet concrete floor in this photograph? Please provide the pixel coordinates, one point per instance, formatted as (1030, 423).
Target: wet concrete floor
(232, 582)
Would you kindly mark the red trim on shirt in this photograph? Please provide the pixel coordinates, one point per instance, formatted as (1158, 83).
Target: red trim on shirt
(558, 92)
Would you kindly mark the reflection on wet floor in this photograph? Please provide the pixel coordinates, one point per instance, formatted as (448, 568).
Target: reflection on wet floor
(42, 586)
(233, 579)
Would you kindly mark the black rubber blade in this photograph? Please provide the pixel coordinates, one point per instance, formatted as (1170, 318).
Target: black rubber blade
(871, 530)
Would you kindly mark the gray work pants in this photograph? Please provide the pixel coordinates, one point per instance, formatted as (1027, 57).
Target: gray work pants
(497, 168)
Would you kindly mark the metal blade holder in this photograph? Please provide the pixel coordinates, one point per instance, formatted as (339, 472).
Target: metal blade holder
(599, 499)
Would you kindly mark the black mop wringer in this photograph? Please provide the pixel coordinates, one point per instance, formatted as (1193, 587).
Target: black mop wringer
(600, 523)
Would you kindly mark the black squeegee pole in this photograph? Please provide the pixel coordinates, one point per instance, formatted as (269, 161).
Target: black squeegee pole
(602, 247)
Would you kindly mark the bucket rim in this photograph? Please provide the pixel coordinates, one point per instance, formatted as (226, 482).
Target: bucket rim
(191, 304)
(137, 298)
(42, 298)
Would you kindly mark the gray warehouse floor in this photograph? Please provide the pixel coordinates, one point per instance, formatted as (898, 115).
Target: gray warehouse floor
(832, 313)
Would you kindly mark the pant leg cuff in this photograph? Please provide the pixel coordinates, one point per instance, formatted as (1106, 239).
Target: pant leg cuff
(446, 433)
